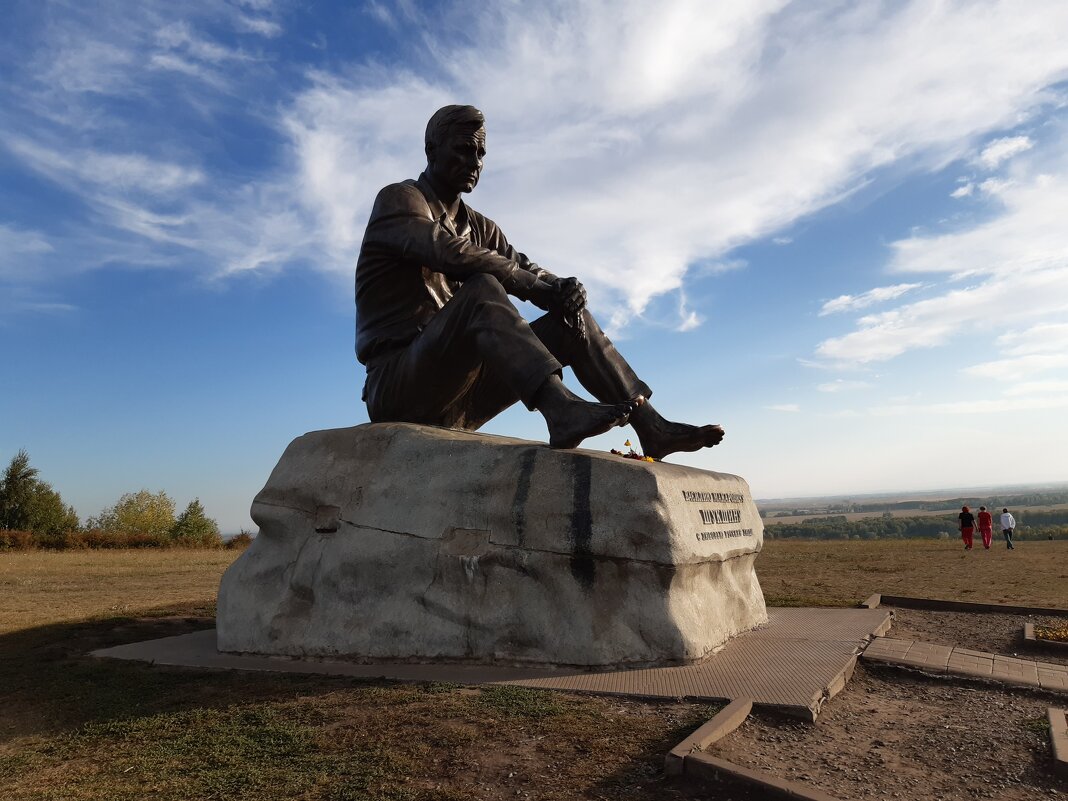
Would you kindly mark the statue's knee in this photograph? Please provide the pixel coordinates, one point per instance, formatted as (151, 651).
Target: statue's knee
(591, 323)
(483, 284)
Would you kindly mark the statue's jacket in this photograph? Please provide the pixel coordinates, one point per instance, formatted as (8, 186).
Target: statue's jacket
(414, 257)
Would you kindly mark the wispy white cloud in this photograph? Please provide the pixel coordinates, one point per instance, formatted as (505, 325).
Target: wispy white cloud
(694, 130)
(1005, 148)
(963, 191)
(21, 252)
(1018, 367)
(1043, 338)
(984, 406)
(647, 146)
(934, 321)
(17, 240)
(783, 407)
(117, 172)
(259, 25)
(77, 65)
(1029, 388)
(181, 36)
(380, 12)
(719, 266)
(842, 385)
(845, 303)
(175, 63)
(993, 186)
(1014, 260)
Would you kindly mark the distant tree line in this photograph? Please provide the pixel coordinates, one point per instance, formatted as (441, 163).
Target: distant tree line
(1037, 498)
(1046, 524)
(33, 515)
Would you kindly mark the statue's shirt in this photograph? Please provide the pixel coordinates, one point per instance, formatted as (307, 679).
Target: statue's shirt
(413, 258)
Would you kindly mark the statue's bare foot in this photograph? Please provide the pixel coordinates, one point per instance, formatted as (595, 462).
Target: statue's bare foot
(571, 419)
(574, 421)
(660, 437)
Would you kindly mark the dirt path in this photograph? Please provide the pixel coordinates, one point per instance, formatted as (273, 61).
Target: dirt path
(897, 734)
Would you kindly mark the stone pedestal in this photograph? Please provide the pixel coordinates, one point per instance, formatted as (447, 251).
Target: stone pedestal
(401, 542)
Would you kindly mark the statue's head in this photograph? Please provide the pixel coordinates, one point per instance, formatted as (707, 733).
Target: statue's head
(455, 146)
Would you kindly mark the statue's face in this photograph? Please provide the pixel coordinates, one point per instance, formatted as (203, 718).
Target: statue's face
(457, 162)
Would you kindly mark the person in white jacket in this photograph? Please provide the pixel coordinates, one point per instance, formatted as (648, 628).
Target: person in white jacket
(1008, 524)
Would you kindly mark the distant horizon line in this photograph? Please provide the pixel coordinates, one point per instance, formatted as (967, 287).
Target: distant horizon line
(917, 494)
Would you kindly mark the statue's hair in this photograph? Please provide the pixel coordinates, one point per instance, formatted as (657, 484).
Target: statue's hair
(450, 119)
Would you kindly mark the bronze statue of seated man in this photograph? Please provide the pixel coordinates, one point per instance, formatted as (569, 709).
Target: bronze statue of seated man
(442, 342)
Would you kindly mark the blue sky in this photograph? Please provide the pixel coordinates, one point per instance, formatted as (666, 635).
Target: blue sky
(841, 227)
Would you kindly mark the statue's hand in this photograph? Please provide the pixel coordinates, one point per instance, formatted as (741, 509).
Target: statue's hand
(542, 295)
(569, 299)
(570, 296)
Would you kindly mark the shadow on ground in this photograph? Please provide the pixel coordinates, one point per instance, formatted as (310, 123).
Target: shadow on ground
(115, 729)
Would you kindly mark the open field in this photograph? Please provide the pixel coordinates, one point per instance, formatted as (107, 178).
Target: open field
(840, 573)
(45, 587)
(75, 728)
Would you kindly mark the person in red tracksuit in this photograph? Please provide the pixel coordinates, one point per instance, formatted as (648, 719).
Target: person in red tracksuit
(967, 526)
(986, 526)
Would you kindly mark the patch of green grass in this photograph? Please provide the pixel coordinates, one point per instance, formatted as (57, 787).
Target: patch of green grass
(249, 752)
(521, 702)
(1040, 725)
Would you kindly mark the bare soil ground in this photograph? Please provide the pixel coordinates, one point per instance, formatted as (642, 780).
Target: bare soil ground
(897, 734)
(72, 727)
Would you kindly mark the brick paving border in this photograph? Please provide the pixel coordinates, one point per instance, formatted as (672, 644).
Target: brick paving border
(704, 766)
(689, 760)
(872, 602)
(1058, 740)
(1037, 642)
(952, 661)
(941, 605)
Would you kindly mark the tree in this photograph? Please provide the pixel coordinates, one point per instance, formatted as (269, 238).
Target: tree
(15, 490)
(29, 504)
(138, 513)
(193, 527)
(47, 514)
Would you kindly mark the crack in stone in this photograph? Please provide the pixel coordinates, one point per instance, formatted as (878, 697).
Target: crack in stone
(508, 546)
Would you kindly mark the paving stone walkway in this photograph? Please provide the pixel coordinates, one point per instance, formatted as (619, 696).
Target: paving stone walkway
(945, 659)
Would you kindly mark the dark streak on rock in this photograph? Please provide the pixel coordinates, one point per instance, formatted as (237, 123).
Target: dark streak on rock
(583, 567)
(522, 492)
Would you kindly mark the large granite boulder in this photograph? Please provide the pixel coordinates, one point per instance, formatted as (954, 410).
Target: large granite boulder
(402, 542)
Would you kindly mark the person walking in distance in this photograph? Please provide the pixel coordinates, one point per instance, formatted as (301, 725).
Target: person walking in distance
(1008, 525)
(986, 527)
(967, 527)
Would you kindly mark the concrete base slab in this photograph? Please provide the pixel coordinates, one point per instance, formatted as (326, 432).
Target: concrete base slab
(795, 663)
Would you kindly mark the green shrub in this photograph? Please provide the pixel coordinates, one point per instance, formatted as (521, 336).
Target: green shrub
(238, 541)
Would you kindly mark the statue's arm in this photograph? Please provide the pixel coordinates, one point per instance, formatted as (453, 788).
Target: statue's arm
(401, 224)
(495, 239)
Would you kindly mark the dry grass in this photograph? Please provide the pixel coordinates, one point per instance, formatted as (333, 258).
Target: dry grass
(843, 572)
(72, 727)
(44, 587)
